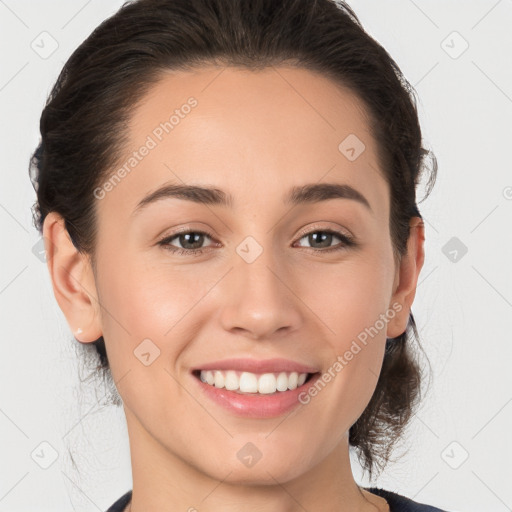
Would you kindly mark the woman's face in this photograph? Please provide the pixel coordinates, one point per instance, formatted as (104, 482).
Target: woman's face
(264, 286)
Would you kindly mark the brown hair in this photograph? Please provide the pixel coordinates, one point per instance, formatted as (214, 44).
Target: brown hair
(82, 132)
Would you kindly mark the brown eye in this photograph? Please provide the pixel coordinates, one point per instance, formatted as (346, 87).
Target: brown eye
(191, 242)
(323, 239)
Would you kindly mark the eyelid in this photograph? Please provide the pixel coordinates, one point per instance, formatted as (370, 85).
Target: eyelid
(317, 227)
(185, 230)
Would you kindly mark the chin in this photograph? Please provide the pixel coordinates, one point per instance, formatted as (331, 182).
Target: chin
(251, 466)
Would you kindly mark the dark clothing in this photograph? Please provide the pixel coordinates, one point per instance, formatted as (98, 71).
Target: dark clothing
(397, 502)
(121, 503)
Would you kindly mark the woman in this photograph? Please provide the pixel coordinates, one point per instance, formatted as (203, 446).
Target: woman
(226, 190)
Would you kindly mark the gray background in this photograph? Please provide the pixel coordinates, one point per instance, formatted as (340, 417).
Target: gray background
(458, 447)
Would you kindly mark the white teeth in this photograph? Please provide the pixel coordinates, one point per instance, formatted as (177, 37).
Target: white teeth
(209, 378)
(267, 383)
(247, 382)
(292, 380)
(231, 381)
(282, 382)
(219, 379)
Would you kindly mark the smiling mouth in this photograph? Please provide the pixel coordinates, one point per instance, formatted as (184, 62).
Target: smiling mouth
(253, 383)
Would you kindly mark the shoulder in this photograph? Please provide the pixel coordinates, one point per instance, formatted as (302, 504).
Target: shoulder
(121, 503)
(399, 503)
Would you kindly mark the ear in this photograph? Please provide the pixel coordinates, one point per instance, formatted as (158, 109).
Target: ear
(72, 280)
(406, 278)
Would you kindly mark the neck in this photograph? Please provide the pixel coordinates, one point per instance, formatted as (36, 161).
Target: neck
(162, 481)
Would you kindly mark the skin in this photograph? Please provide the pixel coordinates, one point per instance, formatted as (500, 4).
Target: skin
(254, 135)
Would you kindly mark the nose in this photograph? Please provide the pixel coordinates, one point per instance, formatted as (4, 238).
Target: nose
(259, 300)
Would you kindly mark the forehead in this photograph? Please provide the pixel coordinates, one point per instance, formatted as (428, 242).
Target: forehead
(250, 133)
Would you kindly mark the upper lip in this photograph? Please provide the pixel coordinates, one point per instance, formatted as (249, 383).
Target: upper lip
(258, 366)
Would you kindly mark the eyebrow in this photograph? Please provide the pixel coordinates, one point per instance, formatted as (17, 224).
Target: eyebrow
(303, 194)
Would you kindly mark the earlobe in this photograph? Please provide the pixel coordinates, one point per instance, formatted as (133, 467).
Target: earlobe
(407, 275)
(72, 280)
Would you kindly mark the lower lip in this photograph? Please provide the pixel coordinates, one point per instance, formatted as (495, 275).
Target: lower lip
(256, 405)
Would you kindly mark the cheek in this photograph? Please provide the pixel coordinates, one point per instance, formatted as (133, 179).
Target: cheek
(152, 312)
(348, 297)
(145, 330)
(351, 300)
(148, 299)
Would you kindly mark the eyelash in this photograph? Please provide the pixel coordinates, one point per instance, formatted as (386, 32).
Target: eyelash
(347, 242)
